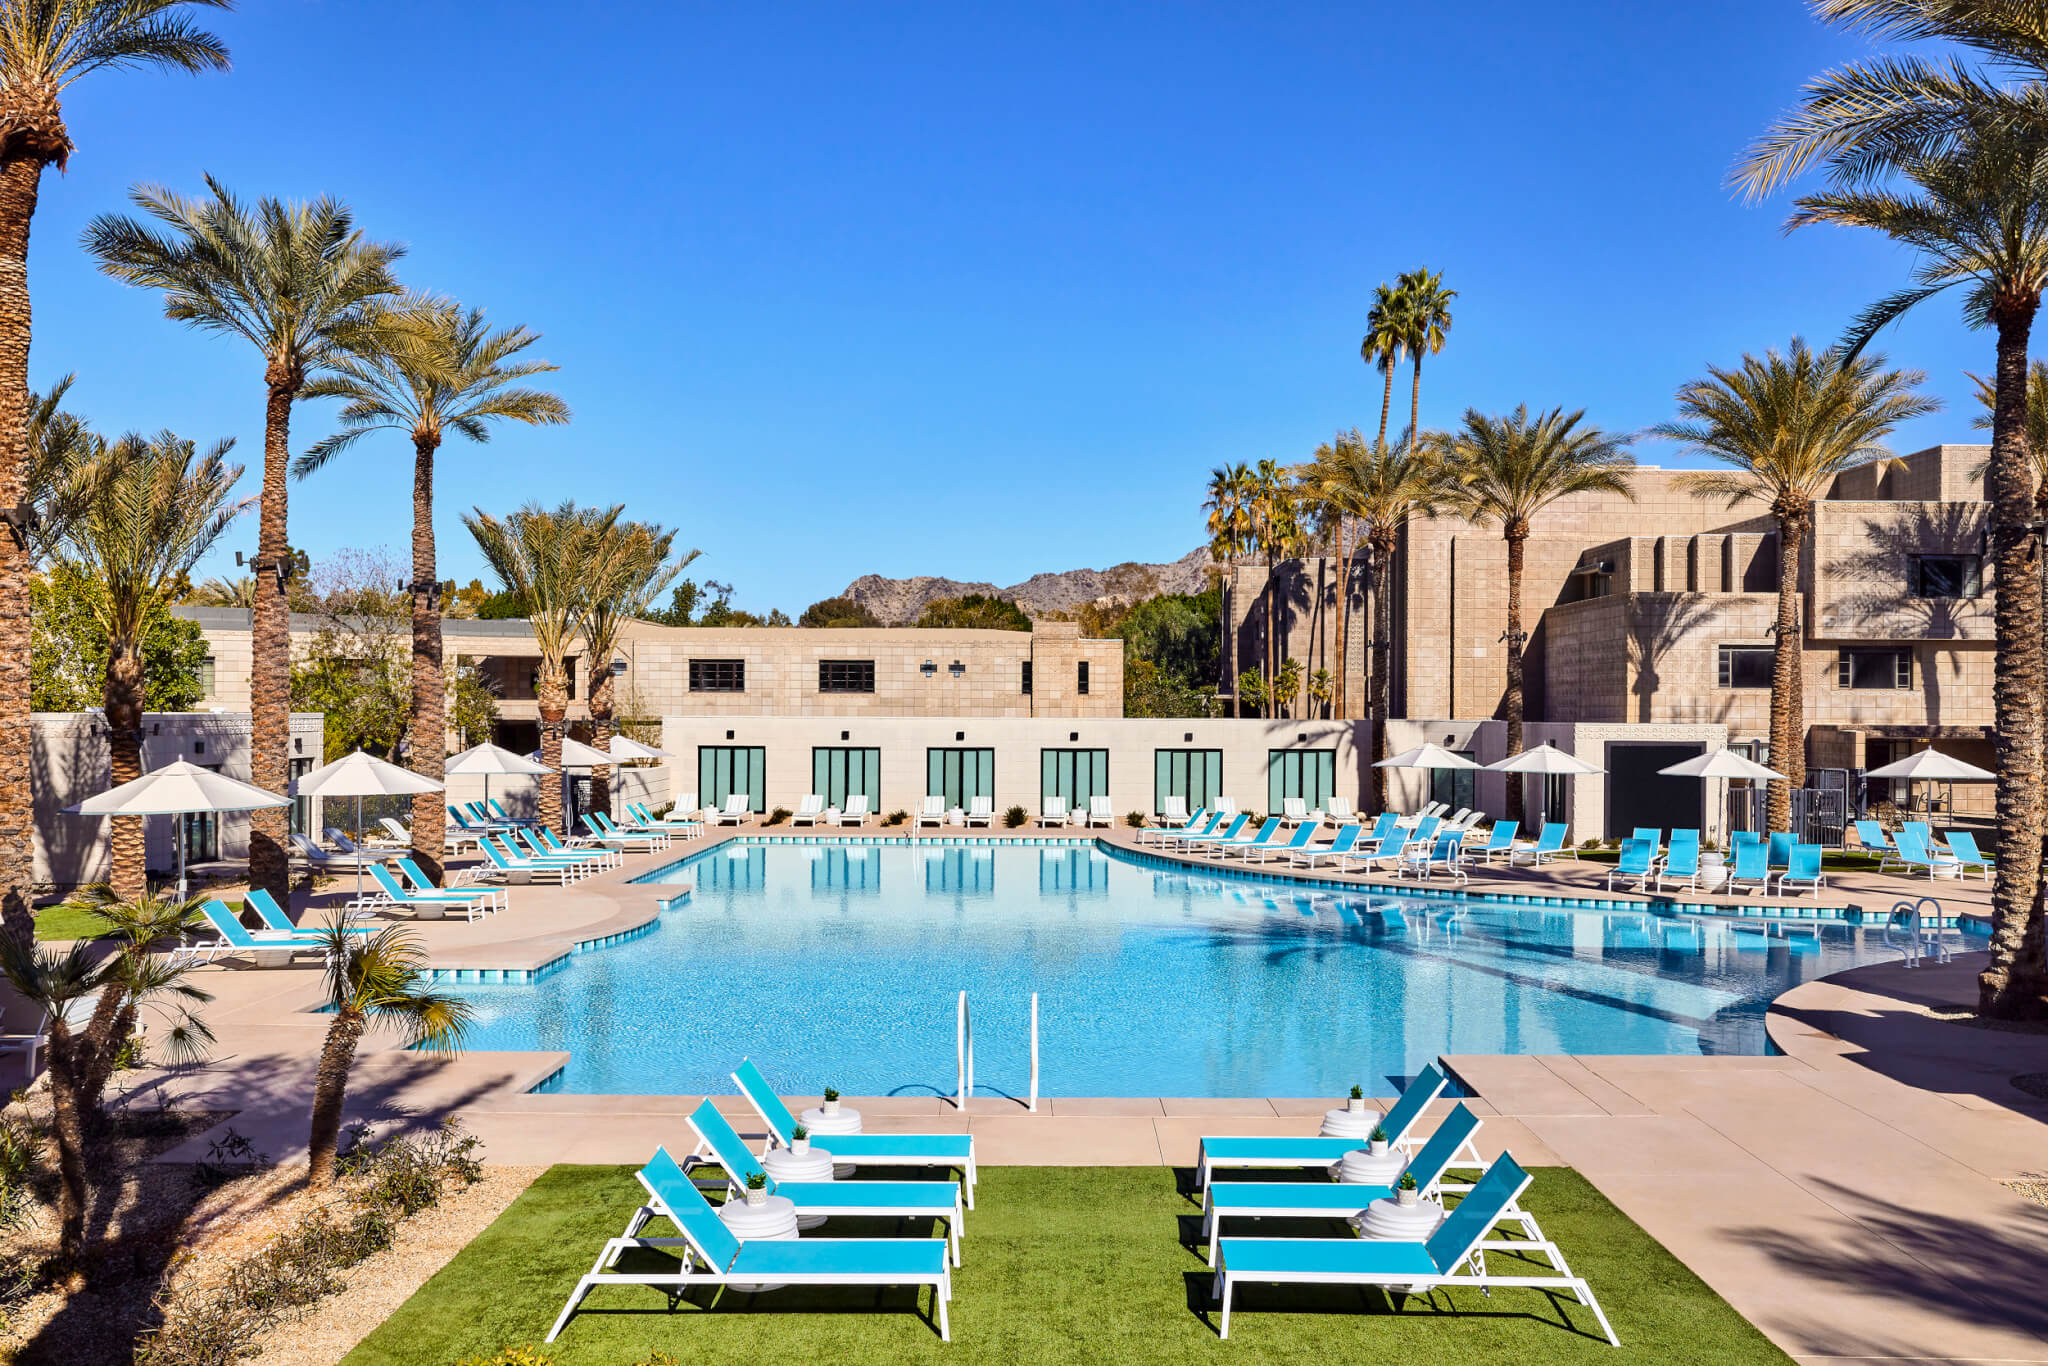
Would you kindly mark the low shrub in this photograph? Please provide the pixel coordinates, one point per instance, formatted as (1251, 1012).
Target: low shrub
(778, 815)
(896, 818)
(1135, 819)
(1015, 817)
(228, 1158)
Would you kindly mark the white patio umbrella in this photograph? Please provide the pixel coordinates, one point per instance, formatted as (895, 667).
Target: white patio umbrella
(1932, 766)
(625, 748)
(489, 760)
(576, 754)
(1723, 764)
(1426, 756)
(361, 775)
(178, 789)
(1545, 760)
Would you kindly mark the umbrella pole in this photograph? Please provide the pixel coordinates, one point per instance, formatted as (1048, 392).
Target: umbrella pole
(359, 856)
(178, 838)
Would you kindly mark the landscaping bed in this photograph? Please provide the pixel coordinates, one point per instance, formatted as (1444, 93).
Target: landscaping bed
(1080, 1264)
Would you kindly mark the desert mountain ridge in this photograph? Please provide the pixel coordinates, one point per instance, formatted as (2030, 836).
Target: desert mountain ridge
(899, 601)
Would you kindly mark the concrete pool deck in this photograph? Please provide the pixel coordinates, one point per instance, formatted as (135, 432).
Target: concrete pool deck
(1847, 1196)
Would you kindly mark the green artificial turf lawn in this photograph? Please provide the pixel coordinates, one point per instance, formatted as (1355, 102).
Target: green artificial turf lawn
(1062, 1264)
(69, 922)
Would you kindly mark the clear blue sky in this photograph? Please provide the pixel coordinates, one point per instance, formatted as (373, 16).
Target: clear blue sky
(971, 290)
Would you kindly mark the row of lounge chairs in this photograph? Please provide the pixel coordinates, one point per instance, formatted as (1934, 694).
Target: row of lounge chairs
(1915, 849)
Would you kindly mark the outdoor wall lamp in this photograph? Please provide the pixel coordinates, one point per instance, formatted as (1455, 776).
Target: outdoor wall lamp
(618, 667)
(1515, 639)
(956, 668)
(281, 566)
(928, 669)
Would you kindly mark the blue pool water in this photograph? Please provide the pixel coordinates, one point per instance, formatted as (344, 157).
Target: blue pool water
(840, 965)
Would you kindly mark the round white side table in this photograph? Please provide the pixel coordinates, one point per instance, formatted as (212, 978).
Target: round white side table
(847, 1121)
(1342, 1123)
(774, 1221)
(1393, 1221)
(785, 1165)
(1360, 1168)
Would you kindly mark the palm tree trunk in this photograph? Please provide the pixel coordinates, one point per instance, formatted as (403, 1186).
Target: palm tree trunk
(554, 708)
(1415, 404)
(96, 1065)
(20, 182)
(122, 695)
(429, 688)
(1788, 701)
(1381, 653)
(1230, 638)
(330, 1090)
(601, 731)
(1517, 539)
(1343, 697)
(70, 1136)
(93, 1044)
(2012, 983)
(270, 665)
(1386, 406)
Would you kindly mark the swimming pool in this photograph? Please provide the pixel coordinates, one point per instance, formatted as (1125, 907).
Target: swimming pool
(836, 964)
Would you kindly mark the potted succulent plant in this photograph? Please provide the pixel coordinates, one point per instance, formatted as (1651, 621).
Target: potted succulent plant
(757, 1189)
(831, 1101)
(1406, 1191)
(1357, 1103)
(1378, 1141)
(800, 1140)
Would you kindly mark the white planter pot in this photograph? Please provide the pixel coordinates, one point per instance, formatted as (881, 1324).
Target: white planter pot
(1378, 1147)
(831, 1107)
(1356, 1105)
(801, 1147)
(757, 1198)
(1407, 1197)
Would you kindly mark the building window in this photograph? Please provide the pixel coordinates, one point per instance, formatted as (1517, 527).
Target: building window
(1310, 774)
(1747, 666)
(1457, 788)
(838, 773)
(1073, 774)
(960, 775)
(1081, 678)
(1027, 678)
(723, 770)
(206, 677)
(1193, 775)
(569, 676)
(846, 675)
(718, 675)
(1883, 669)
(1947, 576)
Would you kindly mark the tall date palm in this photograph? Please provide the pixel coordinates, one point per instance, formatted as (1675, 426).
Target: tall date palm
(1424, 319)
(629, 570)
(426, 367)
(1785, 425)
(45, 47)
(1229, 507)
(291, 279)
(1386, 341)
(1506, 471)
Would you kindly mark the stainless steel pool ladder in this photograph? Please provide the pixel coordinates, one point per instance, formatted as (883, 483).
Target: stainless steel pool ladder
(1922, 936)
(963, 1046)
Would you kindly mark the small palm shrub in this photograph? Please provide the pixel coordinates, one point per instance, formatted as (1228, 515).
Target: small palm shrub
(1134, 819)
(1015, 817)
(778, 815)
(896, 818)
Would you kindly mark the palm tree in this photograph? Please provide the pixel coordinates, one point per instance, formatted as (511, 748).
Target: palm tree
(225, 592)
(1425, 322)
(372, 979)
(629, 569)
(1786, 426)
(291, 279)
(1976, 214)
(1277, 528)
(45, 46)
(425, 367)
(58, 443)
(54, 983)
(542, 555)
(1386, 338)
(1379, 488)
(138, 974)
(146, 511)
(1229, 509)
(1506, 471)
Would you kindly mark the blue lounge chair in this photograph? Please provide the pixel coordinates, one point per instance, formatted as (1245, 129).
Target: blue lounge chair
(1387, 851)
(1548, 844)
(474, 904)
(273, 917)
(1752, 870)
(1962, 846)
(465, 881)
(1914, 854)
(1638, 856)
(545, 843)
(1804, 869)
(1446, 856)
(1232, 1153)
(608, 830)
(1347, 839)
(868, 1199)
(1330, 1200)
(266, 948)
(1872, 837)
(1500, 842)
(1158, 833)
(1654, 834)
(686, 824)
(1779, 850)
(709, 1254)
(494, 811)
(1927, 837)
(1195, 844)
(1425, 830)
(1213, 824)
(506, 861)
(1262, 853)
(879, 1150)
(1681, 865)
(1222, 848)
(1447, 1260)
(470, 826)
(1383, 825)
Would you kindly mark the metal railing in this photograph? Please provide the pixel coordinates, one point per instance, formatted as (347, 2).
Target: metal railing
(1920, 939)
(963, 1049)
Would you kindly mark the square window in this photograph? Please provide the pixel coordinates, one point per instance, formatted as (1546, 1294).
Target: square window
(1874, 669)
(1747, 666)
(846, 675)
(1947, 576)
(718, 675)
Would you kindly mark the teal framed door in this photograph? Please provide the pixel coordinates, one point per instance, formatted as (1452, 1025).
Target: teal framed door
(960, 775)
(1076, 774)
(1193, 775)
(725, 769)
(836, 773)
(1310, 774)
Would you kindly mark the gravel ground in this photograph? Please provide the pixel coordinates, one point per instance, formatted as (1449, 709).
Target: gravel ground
(378, 1286)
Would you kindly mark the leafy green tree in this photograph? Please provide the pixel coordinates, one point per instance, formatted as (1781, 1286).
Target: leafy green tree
(1178, 632)
(973, 612)
(356, 668)
(1151, 691)
(830, 613)
(291, 280)
(1251, 685)
(472, 705)
(70, 650)
(45, 47)
(682, 605)
(1785, 426)
(1506, 471)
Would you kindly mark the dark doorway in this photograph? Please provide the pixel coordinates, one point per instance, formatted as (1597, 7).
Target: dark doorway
(1637, 794)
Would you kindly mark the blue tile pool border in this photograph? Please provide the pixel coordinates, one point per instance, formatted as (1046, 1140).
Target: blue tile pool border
(523, 976)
